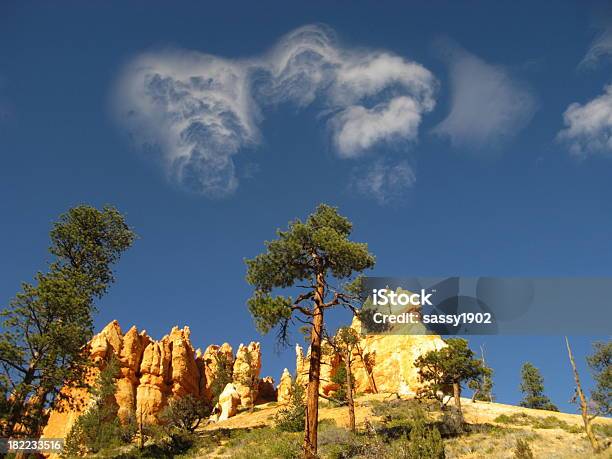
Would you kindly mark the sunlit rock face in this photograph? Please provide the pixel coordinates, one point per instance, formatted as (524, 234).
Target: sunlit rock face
(152, 372)
(246, 373)
(285, 388)
(381, 363)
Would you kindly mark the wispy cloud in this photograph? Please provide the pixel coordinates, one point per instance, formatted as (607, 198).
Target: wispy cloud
(601, 46)
(385, 181)
(201, 110)
(488, 105)
(588, 127)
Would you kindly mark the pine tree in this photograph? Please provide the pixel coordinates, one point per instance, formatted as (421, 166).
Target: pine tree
(448, 367)
(482, 387)
(532, 387)
(98, 427)
(49, 322)
(307, 255)
(345, 344)
(599, 363)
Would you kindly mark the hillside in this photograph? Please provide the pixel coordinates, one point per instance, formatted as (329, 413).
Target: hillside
(550, 434)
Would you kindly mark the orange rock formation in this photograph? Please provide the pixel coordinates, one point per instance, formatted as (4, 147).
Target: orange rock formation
(151, 372)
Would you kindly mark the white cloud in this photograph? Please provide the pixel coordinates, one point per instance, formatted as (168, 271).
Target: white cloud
(358, 128)
(197, 109)
(600, 48)
(201, 110)
(384, 181)
(589, 127)
(488, 106)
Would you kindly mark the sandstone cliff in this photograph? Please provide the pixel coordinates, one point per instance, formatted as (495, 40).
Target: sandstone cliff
(381, 363)
(151, 372)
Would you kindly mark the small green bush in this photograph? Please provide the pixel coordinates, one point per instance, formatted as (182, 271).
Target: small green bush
(425, 441)
(98, 427)
(264, 443)
(519, 419)
(292, 417)
(605, 430)
(549, 422)
(522, 450)
(184, 413)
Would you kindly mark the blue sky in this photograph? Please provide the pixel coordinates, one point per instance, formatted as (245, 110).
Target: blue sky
(460, 140)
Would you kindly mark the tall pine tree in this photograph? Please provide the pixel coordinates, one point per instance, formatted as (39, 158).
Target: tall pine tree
(307, 255)
(532, 387)
(49, 322)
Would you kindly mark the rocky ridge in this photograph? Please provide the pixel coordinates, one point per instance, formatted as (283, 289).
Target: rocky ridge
(152, 372)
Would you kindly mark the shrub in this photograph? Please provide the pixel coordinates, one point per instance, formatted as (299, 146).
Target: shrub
(425, 440)
(398, 409)
(549, 422)
(451, 423)
(292, 417)
(340, 396)
(522, 450)
(264, 443)
(604, 430)
(98, 427)
(184, 413)
(337, 442)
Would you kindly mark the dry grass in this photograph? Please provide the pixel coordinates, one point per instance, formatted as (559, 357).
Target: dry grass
(562, 438)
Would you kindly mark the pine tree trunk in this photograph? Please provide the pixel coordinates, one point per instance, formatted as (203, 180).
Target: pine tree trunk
(314, 373)
(584, 407)
(349, 392)
(457, 397)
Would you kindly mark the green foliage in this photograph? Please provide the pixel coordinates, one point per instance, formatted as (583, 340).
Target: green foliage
(439, 369)
(522, 450)
(548, 422)
(98, 427)
(292, 417)
(304, 252)
(223, 371)
(47, 324)
(398, 409)
(605, 430)
(599, 364)
(483, 387)
(264, 443)
(532, 387)
(184, 414)
(405, 432)
(340, 395)
(425, 441)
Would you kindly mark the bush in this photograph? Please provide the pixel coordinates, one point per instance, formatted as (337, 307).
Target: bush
(549, 422)
(98, 427)
(337, 442)
(292, 417)
(452, 423)
(184, 413)
(425, 441)
(399, 409)
(340, 397)
(263, 443)
(605, 430)
(522, 450)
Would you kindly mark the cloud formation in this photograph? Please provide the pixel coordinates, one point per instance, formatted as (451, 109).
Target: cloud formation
(588, 127)
(601, 48)
(199, 110)
(488, 105)
(385, 181)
